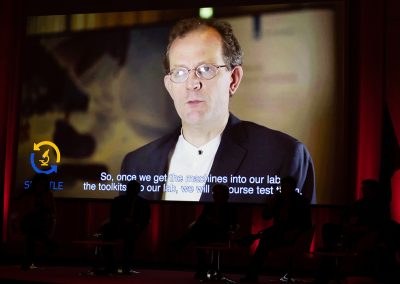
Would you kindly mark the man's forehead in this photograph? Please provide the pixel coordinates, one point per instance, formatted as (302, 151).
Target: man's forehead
(204, 43)
(201, 34)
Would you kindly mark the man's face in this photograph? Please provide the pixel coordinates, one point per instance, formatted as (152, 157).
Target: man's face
(198, 101)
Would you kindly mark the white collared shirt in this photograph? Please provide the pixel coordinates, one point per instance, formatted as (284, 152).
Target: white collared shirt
(193, 165)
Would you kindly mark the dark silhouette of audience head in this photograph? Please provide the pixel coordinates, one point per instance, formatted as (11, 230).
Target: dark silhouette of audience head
(40, 184)
(370, 189)
(220, 193)
(288, 186)
(373, 209)
(133, 188)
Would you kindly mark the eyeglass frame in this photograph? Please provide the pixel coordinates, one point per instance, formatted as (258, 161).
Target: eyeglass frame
(195, 71)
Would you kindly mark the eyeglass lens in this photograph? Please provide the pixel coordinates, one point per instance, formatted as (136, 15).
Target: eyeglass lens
(204, 71)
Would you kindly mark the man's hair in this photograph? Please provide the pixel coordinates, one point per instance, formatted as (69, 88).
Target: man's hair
(231, 51)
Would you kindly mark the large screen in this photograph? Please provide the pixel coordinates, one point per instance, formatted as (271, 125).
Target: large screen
(95, 112)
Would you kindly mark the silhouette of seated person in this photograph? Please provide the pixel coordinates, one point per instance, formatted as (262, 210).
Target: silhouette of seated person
(332, 250)
(370, 214)
(38, 218)
(370, 232)
(130, 215)
(366, 233)
(291, 215)
(214, 225)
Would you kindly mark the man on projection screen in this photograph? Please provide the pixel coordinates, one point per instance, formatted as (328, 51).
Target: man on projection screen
(203, 64)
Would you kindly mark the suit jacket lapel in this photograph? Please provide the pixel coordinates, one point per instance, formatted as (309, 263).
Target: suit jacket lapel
(162, 160)
(232, 149)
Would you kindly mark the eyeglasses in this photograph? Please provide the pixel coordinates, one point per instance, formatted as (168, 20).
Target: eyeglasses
(204, 71)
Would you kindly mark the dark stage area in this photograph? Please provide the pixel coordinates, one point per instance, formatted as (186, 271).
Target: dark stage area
(72, 274)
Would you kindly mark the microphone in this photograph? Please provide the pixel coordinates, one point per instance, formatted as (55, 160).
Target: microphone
(200, 152)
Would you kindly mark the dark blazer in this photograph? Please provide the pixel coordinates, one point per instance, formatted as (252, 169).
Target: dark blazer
(246, 149)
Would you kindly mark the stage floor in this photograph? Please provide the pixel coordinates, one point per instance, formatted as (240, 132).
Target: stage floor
(62, 274)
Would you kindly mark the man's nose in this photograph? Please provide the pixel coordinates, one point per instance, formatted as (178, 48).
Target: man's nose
(193, 82)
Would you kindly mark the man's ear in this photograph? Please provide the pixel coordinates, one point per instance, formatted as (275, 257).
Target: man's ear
(237, 74)
(167, 84)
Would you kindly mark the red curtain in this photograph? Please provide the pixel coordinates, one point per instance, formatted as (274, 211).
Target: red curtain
(11, 31)
(393, 91)
(379, 86)
(370, 85)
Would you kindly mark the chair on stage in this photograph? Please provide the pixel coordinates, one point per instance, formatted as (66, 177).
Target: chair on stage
(96, 243)
(294, 254)
(215, 250)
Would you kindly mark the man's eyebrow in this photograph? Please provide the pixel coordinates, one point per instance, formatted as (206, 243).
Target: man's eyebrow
(179, 65)
(197, 65)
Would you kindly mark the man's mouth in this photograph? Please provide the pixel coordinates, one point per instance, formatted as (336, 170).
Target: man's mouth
(194, 102)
